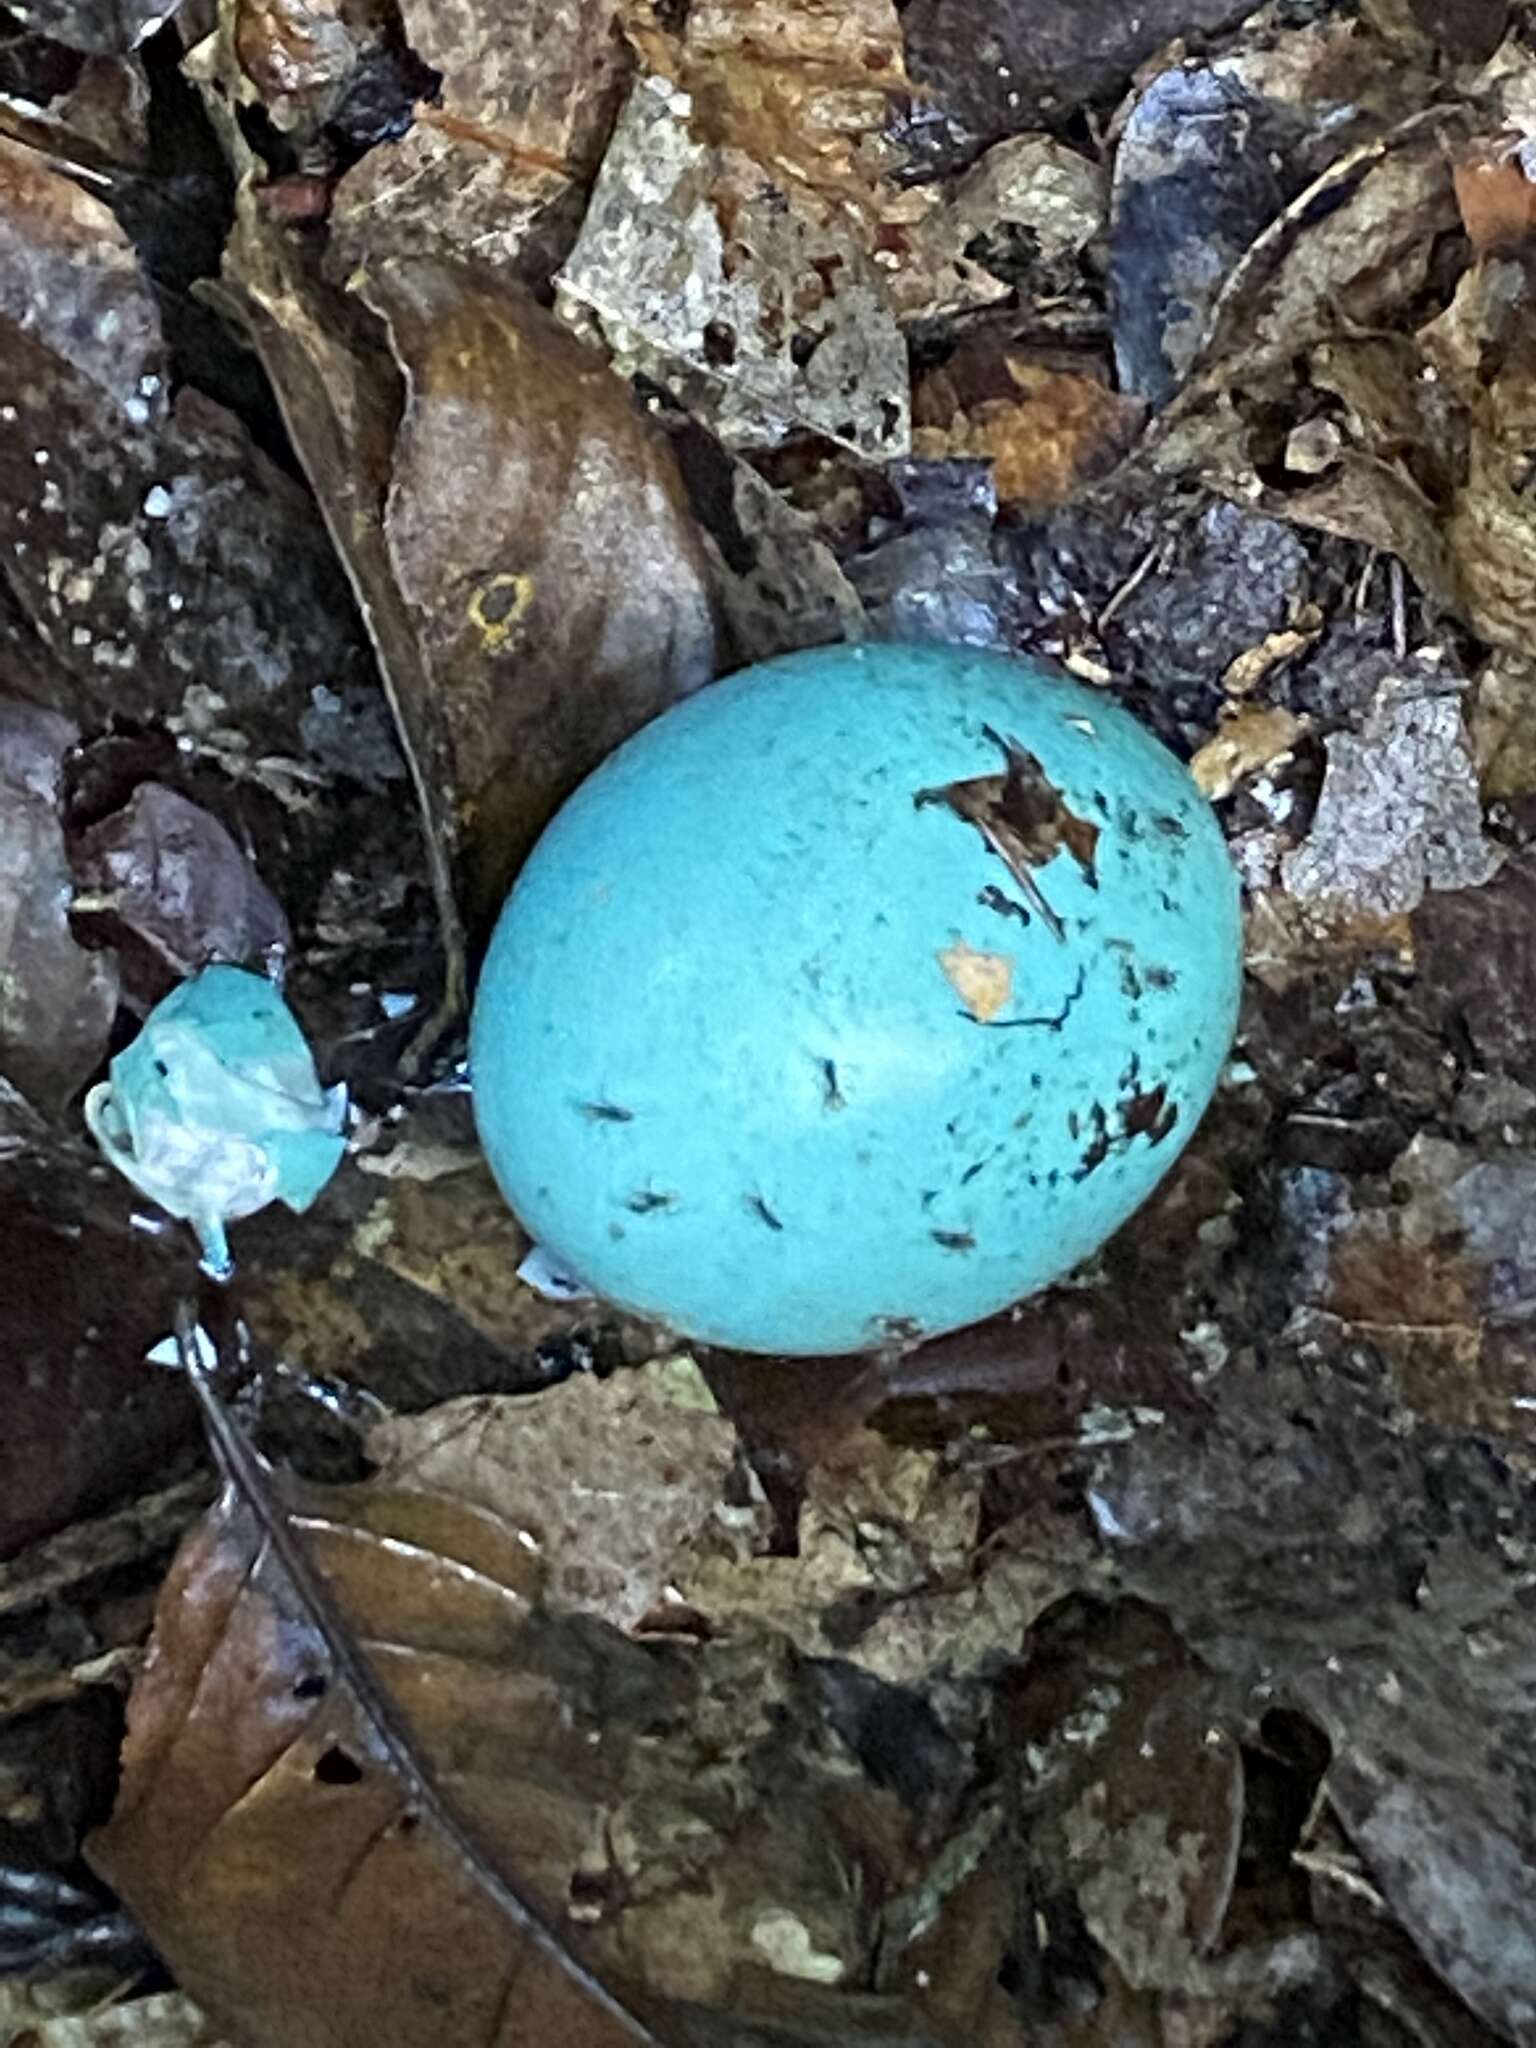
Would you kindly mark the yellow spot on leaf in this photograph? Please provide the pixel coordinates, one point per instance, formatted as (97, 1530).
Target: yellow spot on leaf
(499, 606)
(982, 981)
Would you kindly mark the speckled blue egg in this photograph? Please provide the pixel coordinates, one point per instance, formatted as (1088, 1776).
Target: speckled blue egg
(857, 997)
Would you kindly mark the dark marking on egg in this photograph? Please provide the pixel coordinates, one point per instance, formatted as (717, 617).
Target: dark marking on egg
(606, 1113)
(993, 898)
(1024, 819)
(757, 1207)
(831, 1094)
(1149, 1114)
(954, 1240)
(1074, 996)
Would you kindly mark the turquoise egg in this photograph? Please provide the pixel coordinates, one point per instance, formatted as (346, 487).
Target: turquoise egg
(856, 998)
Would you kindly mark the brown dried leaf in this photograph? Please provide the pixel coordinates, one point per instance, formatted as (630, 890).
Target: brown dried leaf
(1134, 1782)
(1504, 728)
(777, 585)
(181, 576)
(57, 1001)
(574, 605)
(83, 1422)
(885, 1534)
(752, 169)
(1492, 527)
(1469, 31)
(1367, 499)
(69, 277)
(166, 870)
(1247, 740)
(1308, 278)
(1002, 65)
(1059, 431)
(1028, 201)
(1496, 199)
(608, 1480)
(522, 1828)
(496, 170)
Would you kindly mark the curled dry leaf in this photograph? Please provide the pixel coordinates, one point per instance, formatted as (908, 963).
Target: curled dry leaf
(542, 544)
(1018, 220)
(1314, 273)
(371, 1792)
(181, 577)
(776, 583)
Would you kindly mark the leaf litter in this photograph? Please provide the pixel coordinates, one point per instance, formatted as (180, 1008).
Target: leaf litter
(1146, 1664)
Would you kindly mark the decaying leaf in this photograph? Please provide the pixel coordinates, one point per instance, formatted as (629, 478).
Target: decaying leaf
(1399, 812)
(1051, 433)
(610, 1479)
(522, 1827)
(107, 26)
(181, 575)
(57, 1000)
(1491, 528)
(776, 583)
(1318, 272)
(168, 872)
(1018, 220)
(1392, 1678)
(495, 168)
(1248, 740)
(1129, 1767)
(573, 605)
(1503, 721)
(1006, 65)
(83, 1423)
(749, 170)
